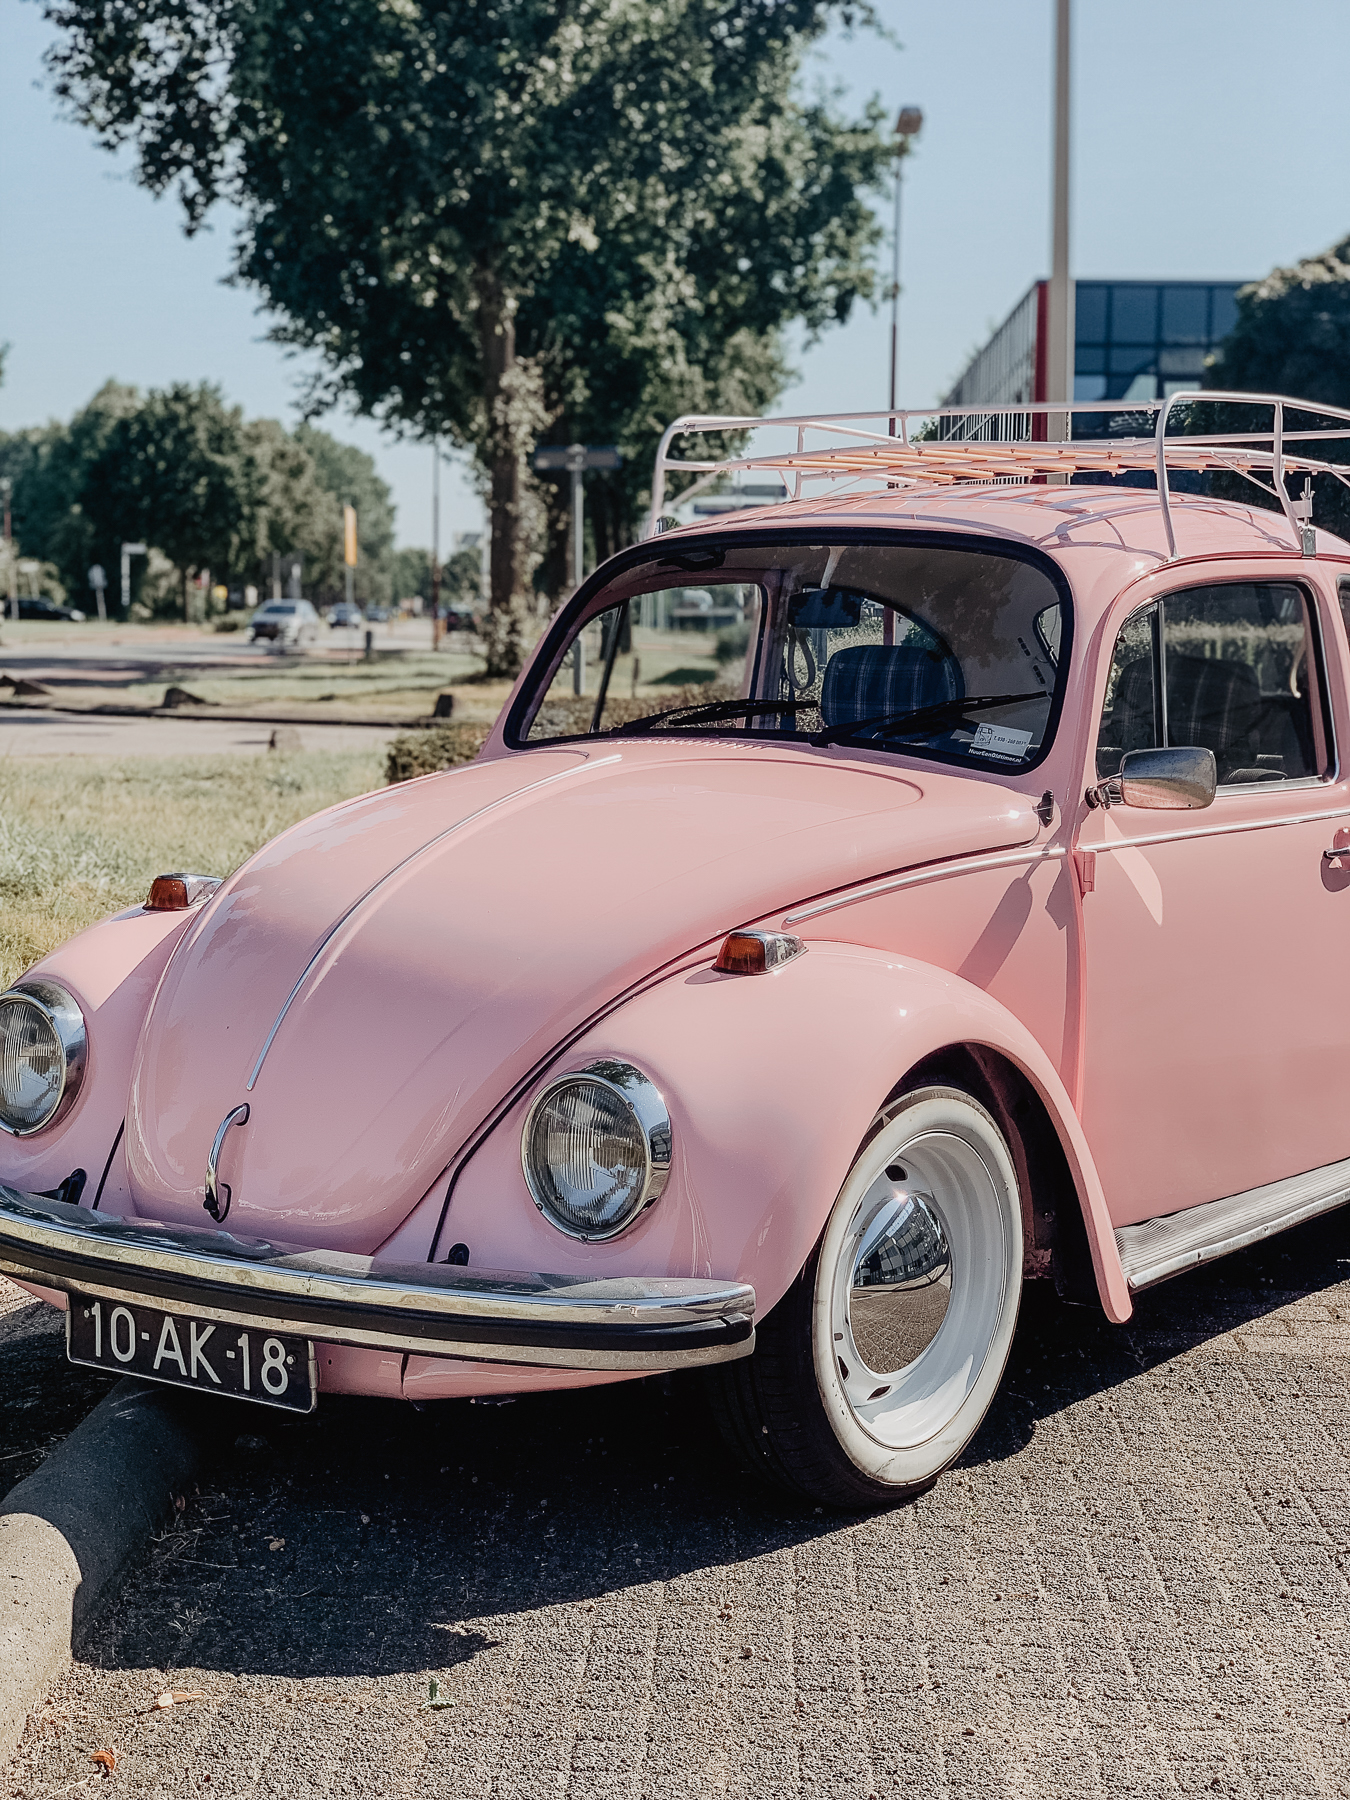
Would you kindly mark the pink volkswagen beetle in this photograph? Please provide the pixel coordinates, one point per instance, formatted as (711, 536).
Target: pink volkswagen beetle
(993, 929)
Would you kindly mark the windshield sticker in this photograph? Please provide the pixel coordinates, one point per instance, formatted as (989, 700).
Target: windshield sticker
(1000, 740)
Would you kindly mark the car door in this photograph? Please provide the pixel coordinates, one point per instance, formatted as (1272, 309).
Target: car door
(1216, 1036)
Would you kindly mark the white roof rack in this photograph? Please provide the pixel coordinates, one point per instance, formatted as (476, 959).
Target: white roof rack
(945, 445)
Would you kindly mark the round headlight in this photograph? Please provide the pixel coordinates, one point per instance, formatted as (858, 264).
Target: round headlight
(42, 1051)
(596, 1149)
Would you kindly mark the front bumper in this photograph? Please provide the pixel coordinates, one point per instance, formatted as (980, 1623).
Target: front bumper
(617, 1323)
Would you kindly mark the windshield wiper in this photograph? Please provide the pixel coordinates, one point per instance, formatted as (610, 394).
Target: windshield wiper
(708, 713)
(919, 718)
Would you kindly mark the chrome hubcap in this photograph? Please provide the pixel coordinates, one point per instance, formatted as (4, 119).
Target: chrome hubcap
(918, 1287)
(902, 1282)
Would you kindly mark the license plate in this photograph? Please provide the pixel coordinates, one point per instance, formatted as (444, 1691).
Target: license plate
(245, 1362)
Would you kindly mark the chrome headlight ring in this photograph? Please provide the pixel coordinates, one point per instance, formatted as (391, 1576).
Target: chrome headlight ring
(42, 1032)
(607, 1109)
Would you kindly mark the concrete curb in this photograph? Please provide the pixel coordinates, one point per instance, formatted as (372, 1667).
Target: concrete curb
(68, 1530)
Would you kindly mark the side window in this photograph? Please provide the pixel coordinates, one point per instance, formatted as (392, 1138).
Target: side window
(1229, 668)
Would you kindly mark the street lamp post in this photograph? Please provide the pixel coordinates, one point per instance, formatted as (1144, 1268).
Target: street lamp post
(907, 127)
(576, 459)
(7, 490)
(128, 551)
(436, 543)
(1060, 299)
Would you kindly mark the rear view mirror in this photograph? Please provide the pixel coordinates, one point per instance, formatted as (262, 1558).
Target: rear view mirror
(825, 609)
(1177, 779)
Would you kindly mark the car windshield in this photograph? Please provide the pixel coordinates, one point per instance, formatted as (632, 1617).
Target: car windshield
(278, 612)
(902, 645)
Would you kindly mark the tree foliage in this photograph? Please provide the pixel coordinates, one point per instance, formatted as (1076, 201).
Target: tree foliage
(505, 220)
(185, 473)
(1291, 336)
(1292, 333)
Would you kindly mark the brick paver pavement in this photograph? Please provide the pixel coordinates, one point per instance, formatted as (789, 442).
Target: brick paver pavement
(1133, 1584)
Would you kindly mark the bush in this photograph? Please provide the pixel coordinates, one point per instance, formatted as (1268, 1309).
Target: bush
(435, 747)
(564, 715)
(732, 642)
(568, 715)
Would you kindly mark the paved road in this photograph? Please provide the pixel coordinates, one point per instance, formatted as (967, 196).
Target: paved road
(40, 733)
(42, 1396)
(1134, 1584)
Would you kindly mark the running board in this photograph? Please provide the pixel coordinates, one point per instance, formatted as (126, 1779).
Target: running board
(1157, 1248)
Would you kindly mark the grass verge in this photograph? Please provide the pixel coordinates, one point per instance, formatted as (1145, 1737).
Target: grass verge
(81, 837)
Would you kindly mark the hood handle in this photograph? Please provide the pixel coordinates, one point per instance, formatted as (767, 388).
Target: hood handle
(214, 1188)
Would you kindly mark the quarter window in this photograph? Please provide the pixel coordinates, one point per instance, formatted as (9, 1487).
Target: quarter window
(1229, 668)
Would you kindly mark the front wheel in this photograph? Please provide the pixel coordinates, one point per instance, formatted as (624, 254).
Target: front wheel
(874, 1371)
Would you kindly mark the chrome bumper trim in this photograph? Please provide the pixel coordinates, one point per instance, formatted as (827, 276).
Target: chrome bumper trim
(620, 1323)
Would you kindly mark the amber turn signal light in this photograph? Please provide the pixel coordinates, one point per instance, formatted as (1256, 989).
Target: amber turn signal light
(173, 893)
(756, 952)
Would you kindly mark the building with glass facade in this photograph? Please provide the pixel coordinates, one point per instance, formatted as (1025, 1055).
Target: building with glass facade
(1133, 340)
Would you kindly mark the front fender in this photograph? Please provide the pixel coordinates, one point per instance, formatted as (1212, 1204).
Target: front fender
(772, 1082)
(112, 969)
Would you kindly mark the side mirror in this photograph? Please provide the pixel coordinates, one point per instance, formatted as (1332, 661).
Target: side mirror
(1178, 779)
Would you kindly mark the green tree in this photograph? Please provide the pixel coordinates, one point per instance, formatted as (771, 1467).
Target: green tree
(298, 515)
(178, 472)
(461, 576)
(1291, 336)
(496, 221)
(1292, 333)
(411, 574)
(350, 478)
(51, 466)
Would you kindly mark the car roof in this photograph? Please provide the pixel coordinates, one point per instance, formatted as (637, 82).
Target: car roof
(1094, 531)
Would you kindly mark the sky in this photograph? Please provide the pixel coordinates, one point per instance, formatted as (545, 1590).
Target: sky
(1207, 143)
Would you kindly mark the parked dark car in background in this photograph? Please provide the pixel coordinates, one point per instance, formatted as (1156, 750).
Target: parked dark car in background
(47, 609)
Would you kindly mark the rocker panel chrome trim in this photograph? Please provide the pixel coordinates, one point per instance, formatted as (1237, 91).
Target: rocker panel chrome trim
(1158, 1248)
(621, 1323)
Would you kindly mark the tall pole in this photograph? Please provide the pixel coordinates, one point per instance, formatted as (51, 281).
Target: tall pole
(578, 528)
(909, 122)
(577, 453)
(1059, 312)
(436, 543)
(13, 588)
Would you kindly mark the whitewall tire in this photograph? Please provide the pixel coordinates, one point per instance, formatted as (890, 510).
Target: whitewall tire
(876, 1369)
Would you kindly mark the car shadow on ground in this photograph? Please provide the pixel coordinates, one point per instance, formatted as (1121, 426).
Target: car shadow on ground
(372, 1539)
(1065, 1354)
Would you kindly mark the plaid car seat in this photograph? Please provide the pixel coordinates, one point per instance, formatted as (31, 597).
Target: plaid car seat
(867, 680)
(1211, 705)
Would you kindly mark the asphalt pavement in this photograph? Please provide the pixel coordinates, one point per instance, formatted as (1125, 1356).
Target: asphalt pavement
(42, 1396)
(78, 663)
(40, 733)
(1133, 1584)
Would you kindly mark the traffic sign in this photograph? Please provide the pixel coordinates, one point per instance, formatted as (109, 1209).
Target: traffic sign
(573, 458)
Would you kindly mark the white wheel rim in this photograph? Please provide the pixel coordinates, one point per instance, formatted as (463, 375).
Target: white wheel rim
(907, 1406)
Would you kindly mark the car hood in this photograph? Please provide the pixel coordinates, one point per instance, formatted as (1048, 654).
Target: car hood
(374, 981)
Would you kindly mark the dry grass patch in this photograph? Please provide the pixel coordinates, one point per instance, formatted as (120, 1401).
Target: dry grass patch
(81, 836)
